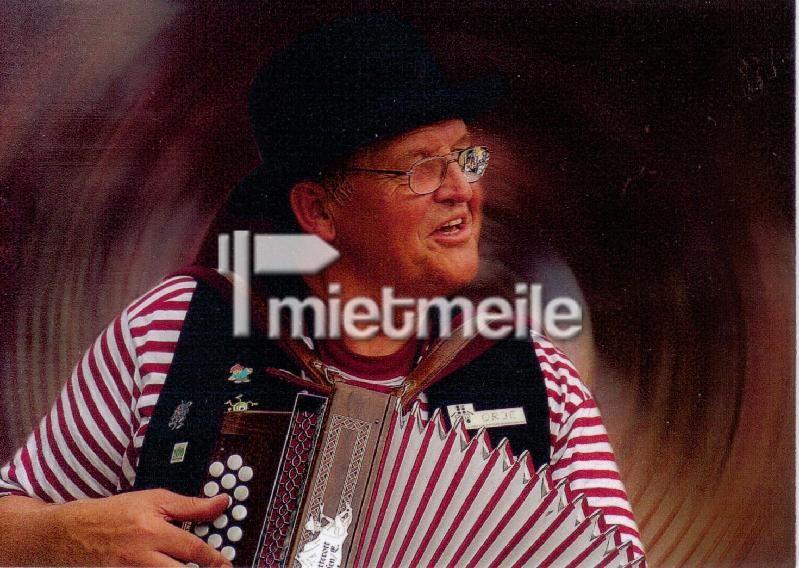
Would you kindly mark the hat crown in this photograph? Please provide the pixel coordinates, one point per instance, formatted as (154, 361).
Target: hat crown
(339, 77)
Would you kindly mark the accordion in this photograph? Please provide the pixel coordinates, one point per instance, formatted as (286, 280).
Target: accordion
(352, 479)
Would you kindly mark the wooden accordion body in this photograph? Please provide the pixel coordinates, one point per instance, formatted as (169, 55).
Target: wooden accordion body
(352, 480)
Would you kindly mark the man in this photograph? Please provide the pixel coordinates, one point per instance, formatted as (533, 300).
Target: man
(364, 145)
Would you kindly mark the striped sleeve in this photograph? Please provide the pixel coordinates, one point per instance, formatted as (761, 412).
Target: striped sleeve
(87, 444)
(579, 444)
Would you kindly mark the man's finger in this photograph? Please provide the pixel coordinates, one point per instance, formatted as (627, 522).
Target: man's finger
(184, 546)
(180, 508)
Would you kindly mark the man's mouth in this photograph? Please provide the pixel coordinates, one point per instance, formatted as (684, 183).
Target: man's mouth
(452, 227)
(454, 232)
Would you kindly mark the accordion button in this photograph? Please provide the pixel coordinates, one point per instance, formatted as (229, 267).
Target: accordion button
(201, 530)
(234, 462)
(241, 493)
(229, 553)
(221, 521)
(215, 540)
(239, 512)
(228, 481)
(234, 534)
(216, 469)
(211, 488)
(245, 473)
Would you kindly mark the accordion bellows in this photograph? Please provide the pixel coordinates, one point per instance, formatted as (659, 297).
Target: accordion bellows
(352, 480)
(443, 498)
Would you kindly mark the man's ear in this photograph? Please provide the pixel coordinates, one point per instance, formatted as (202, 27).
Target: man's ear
(311, 206)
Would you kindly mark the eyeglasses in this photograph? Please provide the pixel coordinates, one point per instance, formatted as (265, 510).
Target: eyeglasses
(427, 175)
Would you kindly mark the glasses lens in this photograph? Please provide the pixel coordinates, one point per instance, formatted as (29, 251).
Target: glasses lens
(428, 175)
(473, 162)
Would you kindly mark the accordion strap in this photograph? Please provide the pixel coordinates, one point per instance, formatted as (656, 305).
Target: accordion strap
(446, 355)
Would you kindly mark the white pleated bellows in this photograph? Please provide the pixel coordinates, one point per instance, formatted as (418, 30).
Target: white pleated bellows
(445, 498)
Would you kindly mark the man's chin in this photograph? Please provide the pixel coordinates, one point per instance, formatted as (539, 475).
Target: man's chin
(446, 282)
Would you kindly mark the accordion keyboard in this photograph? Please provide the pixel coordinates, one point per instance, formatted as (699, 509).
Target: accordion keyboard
(229, 477)
(260, 460)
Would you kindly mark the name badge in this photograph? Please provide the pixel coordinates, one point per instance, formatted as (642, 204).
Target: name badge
(476, 419)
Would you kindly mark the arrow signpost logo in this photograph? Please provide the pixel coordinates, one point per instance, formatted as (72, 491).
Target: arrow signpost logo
(272, 254)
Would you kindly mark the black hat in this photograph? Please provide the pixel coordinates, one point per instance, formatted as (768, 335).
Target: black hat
(337, 89)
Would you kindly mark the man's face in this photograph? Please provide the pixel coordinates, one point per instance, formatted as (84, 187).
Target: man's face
(390, 236)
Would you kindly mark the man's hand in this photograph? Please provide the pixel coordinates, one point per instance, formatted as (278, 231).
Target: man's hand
(132, 529)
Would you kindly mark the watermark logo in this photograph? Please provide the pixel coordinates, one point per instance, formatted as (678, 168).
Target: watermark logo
(271, 254)
(394, 316)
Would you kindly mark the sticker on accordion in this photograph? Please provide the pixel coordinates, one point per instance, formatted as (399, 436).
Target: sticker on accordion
(324, 551)
(476, 419)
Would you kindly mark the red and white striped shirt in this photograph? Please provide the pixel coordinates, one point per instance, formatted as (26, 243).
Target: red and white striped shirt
(88, 444)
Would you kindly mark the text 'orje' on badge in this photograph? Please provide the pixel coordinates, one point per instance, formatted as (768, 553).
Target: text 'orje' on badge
(476, 419)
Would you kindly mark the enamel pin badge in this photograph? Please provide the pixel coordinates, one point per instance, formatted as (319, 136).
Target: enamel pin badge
(240, 374)
(238, 405)
(179, 452)
(179, 415)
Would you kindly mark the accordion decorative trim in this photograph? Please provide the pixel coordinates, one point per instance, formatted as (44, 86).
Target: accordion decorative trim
(338, 423)
(442, 497)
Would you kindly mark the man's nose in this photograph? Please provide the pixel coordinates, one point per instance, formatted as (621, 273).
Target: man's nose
(455, 187)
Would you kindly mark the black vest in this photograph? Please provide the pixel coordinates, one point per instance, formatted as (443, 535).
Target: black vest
(198, 391)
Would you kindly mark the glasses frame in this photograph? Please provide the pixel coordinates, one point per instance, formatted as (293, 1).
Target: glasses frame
(451, 157)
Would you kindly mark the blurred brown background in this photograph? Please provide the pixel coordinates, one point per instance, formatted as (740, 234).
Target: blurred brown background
(643, 162)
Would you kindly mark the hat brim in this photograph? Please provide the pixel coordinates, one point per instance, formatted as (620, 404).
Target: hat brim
(263, 190)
